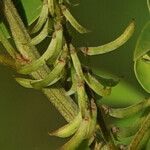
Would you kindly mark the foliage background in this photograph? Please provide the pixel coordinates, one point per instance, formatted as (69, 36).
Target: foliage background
(27, 116)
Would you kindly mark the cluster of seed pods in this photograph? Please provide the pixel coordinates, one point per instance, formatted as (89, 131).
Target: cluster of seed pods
(62, 58)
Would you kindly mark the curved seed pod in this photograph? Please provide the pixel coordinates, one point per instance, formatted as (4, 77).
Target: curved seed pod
(96, 86)
(60, 42)
(76, 62)
(72, 90)
(146, 57)
(49, 53)
(72, 20)
(93, 119)
(136, 140)
(55, 73)
(27, 83)
(142, 72)
(78, 138)
(82, 97)
(128, 111)
(74, 82)
(50, 79)
(9, 48)
(112, 45)
(24, 82)
(42, 35)
(42, 18)
(68, 129)
(107, 82)
(51, 7)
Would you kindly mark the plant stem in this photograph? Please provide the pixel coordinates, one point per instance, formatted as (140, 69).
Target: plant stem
(56, 95)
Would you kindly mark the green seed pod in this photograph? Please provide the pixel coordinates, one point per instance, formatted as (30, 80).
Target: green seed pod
(55, 73)
(112, 45)
(69, 129)
(42, 18)
(25, 82)
(72, 20)
(9, 48)
(139, 136)
(96, 86)
(49, 53)
(51, 7)
(142, 72)
(72, 90)
(82, 97)
(128, 111)
(78, 138)
(93, 119)
(76, 62)
(107, 82)
(42, 35)
(50, 79)
(59, 46)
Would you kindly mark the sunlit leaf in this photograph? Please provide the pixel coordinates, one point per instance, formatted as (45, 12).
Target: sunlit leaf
(142, 72)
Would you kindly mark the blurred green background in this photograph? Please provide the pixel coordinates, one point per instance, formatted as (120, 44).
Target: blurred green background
(27, 116)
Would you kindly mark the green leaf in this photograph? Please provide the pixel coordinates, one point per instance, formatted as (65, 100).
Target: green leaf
(73, 21)
(143, 42)
(142, 72)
